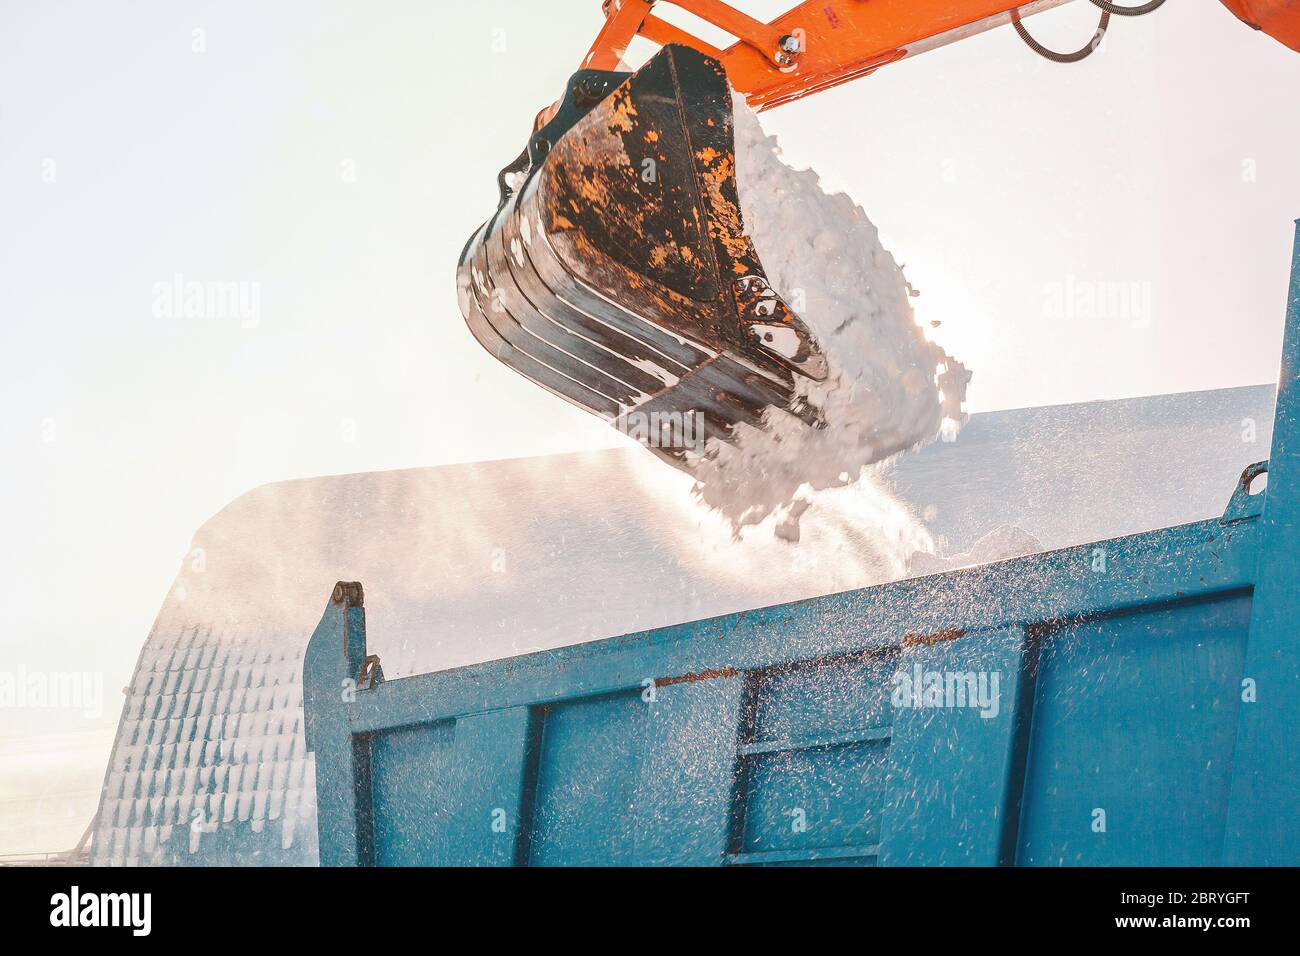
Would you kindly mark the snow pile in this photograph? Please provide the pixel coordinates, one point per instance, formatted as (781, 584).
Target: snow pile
(889, 389)
(1002, 543)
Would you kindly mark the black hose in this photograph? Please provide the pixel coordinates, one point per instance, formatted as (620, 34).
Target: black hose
(1107, 8)
(1141, 10)
(1080, 54)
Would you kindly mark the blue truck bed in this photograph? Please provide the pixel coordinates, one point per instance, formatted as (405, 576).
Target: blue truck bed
(1133, 701)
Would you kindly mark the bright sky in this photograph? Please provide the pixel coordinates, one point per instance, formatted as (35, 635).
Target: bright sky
(333, 157)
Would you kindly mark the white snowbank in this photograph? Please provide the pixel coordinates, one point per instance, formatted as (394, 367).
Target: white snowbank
(889, 389)
(1002, 543)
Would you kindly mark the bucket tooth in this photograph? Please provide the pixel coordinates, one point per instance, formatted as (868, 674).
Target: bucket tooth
(617, 273)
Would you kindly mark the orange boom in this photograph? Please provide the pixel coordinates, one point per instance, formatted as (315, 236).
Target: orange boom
(822, 43)
(1280, 19)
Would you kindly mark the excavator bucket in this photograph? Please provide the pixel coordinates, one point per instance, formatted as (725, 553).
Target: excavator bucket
(617, 274)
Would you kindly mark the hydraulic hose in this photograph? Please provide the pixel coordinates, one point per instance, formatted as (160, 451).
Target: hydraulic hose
(1080, 54)
(1141, 10)
(1107, 8)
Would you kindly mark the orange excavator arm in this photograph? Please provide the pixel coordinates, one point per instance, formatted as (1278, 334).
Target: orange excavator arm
(1280, 19)
(823, 43)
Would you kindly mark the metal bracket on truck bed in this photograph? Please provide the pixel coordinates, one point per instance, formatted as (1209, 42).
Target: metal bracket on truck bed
(1247, 499)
